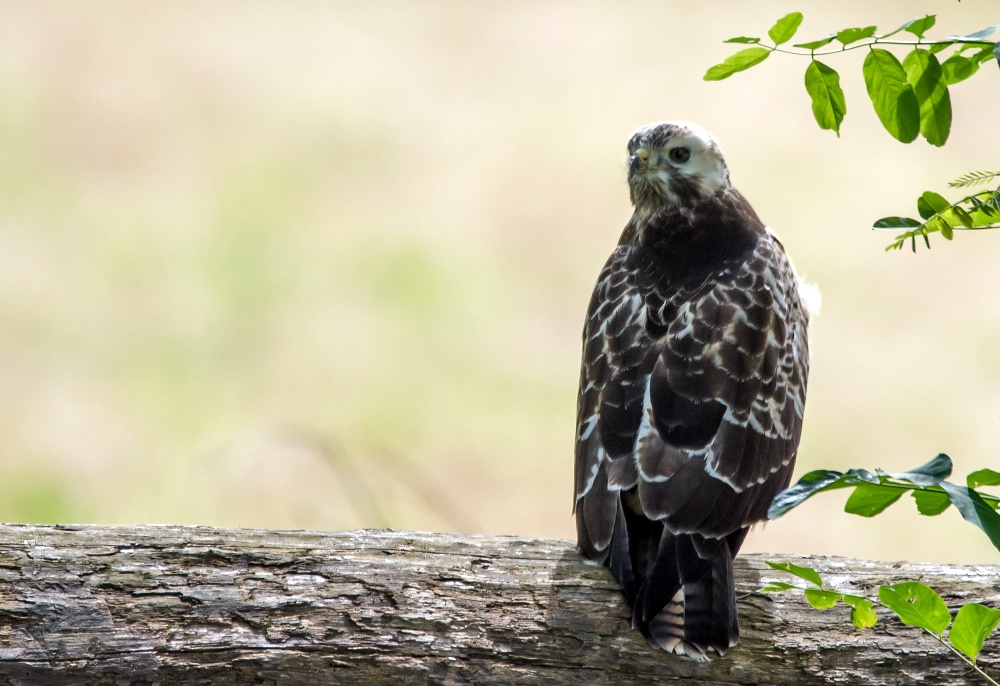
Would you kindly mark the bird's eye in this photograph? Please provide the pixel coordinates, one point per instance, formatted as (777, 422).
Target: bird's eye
(680, 155)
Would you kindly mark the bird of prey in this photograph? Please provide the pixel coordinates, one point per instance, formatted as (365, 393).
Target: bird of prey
(692, 390)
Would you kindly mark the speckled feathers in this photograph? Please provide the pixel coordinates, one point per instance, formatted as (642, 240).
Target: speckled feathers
(692, 391)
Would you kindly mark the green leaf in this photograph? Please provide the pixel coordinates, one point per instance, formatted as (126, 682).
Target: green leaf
(814, 482)
(973, 624)
(746, 40)
(896, 223)
(816, 44)
(958, 217)
(996, 52)
(744, 59)
(778, 587)
(981, 210)
(891, 94)
(930, 502)
(822, 600)
(902, 28)
(975, 510)
(848, 36)
(931, 203)
(982, 52)
(923, 71)
(983, 477)
(916, 605)
(806, 573)
(933, 472)
(938, 223)
(925, 210)
(958, 68)
(828, 104)
(862, 614)
(810, 484)
(986, 201)
(868, 500)
(980, 35)
(918, 27)
(785, 28)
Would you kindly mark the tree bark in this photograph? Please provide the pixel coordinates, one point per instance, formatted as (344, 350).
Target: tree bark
(193, 605)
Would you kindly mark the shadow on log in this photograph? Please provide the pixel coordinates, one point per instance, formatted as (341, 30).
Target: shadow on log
(193, 605)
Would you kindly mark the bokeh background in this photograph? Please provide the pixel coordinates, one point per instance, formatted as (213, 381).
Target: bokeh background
(325, 264)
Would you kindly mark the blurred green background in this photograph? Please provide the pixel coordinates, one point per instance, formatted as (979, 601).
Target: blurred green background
(325, 264)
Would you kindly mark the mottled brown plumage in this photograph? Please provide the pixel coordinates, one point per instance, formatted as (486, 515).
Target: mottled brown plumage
(691, 392)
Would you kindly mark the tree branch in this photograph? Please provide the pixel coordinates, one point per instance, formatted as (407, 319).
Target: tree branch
(183, 605)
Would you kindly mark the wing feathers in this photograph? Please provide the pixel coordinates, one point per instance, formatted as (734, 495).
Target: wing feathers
(689, 415)
(620, 559)
(597, 517)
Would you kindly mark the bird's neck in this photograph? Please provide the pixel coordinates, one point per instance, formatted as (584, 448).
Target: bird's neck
(673, 244)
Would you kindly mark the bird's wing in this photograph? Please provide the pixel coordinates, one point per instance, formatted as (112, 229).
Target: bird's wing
(723, 406)
(618, 354)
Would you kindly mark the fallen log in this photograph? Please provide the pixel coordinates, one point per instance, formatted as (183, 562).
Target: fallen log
(196, 605)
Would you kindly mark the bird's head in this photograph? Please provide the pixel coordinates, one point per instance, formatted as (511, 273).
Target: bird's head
(673, 165)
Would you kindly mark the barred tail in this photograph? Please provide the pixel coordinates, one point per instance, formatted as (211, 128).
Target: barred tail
(687, 603)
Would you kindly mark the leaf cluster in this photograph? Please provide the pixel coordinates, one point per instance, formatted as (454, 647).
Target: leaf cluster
(862, 612)
(910, 97)
(875, 491)
(915, 604)
(973, 212)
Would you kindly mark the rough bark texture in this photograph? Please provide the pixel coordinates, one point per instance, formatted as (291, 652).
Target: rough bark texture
(184, 605)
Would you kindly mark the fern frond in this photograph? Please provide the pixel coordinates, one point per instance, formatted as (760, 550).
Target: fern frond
(972, 178)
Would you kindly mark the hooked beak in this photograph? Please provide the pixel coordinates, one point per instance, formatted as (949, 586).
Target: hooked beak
(638, 160)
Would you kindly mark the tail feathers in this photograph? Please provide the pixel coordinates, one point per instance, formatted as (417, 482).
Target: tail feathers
(687, 604)
(680, 586)
(710, 619)
(666, 630)
(661, 583)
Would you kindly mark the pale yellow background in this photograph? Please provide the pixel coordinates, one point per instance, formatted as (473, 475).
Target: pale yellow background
(320, 264)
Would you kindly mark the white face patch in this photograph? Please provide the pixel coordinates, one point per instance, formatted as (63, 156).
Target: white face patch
(676, 159)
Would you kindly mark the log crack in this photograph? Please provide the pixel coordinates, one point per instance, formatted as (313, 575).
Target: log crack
(195, 605)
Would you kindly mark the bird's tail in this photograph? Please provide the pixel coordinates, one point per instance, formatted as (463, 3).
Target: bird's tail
(686, 604)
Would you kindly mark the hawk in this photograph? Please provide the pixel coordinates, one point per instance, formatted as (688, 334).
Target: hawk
(692, 390)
